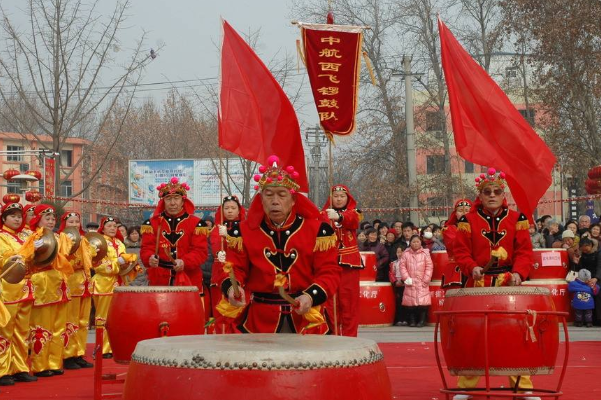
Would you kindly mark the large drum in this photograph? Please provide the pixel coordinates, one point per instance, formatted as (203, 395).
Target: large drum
(559, 293)
(436, 300)
(376, 304)
(549, 264)
(146, 312)
(520, 338)
(440, 259)
(258, 366)
(368, 258)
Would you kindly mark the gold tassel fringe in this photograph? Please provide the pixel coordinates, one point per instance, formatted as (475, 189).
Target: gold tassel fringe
(299, 55)
(522, 225)
(146, 229)
(464, 227)
(234, 243)
(325, 243)
(202, 230)
(370, 69)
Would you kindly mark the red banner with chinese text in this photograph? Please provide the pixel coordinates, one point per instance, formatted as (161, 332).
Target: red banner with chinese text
(332, 58)
(49, 171)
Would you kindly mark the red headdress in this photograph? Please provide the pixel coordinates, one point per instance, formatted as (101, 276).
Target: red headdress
(241, 215)
(275, 176)
(64, 219)
(459, 203)
(38, 212)
(490, 178)
(103, 222)
(174, 188)
(351, 204)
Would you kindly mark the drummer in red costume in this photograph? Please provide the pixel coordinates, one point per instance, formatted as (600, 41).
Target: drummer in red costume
(343, 213)
(284, 247)
(493, 248)
(173, 239)
(227, 222)
(451, 274)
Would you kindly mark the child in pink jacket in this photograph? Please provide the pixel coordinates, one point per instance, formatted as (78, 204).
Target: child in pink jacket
(416, 272)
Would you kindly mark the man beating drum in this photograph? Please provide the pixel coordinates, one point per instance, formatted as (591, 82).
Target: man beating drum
(493, 248)
(284, 259)
(173, 239)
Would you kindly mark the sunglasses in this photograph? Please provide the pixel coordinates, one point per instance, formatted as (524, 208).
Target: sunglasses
(488, 192)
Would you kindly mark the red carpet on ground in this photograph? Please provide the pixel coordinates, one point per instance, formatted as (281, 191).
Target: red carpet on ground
(411, 366)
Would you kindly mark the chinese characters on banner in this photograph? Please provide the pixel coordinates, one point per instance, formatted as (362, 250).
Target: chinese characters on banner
(49, 172)
(332, 58)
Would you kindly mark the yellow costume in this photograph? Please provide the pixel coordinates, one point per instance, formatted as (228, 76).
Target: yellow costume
(78, 308)
(18, 299)
(104, 282)
(49, 314)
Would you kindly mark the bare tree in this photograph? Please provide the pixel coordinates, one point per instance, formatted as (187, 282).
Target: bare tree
(63, 74)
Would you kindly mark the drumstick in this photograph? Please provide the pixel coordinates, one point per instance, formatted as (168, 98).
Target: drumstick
(235, 284)
(287, 297)
(493, 259)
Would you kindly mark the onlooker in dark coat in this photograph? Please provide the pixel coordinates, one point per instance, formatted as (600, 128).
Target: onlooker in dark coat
(373, 244)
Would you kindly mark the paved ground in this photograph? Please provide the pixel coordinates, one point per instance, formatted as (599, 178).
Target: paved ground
(393, 334)
(426, 334)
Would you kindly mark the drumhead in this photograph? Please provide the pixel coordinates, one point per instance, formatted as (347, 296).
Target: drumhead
(155, 289)
(257, 351)
(501, 291)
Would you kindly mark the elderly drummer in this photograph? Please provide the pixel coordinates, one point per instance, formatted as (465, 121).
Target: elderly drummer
(173, 239)
(493, 248)
(283, 257)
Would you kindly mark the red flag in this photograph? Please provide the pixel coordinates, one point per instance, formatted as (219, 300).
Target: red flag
(489, 130)
(256, 119)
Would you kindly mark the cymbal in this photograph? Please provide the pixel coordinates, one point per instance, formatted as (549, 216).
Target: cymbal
(73, 233)
(13, 271)
(47, 253)
(97, 240)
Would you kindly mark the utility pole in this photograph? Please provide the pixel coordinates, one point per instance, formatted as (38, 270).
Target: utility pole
(411, 167)
(316, 140)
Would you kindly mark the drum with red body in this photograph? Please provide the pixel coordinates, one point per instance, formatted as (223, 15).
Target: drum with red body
(559, 293)
(368, 258)
(522, 338)
(145, 312)
(440, 260)
(436, 299)
(376, 304)
(549, 264)
(258, 366)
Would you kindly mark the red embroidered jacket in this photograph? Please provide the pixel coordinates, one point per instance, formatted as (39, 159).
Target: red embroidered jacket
(183, 237)
(479, 232)
(303, 249)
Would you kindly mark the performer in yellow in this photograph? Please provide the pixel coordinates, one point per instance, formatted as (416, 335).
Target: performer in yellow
(18, 299)
(78, 308)
(107, 277)
(49, 314)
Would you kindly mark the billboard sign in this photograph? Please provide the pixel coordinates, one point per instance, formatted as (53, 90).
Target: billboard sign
(202, 175)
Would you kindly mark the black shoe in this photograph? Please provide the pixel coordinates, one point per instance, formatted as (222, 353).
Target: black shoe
(83, 363)
(24, 377)
(44, 374)
(578, 324)
(57, 371)
(589, 325)
(70, 363)
(107, 355)
(7, 380)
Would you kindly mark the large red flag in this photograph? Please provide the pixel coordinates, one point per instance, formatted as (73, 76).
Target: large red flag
(489, 130)
(256, 118)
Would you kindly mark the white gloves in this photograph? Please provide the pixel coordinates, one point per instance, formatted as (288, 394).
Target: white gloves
(304, 304)
(38, 243)
(221, 256)
(409, 281)
(332, 214)
(240, 302)
(222, 230)
(121, 260)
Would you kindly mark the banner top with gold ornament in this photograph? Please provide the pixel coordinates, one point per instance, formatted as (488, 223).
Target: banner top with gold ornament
(332, 57)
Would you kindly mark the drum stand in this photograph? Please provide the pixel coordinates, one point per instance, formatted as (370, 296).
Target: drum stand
(100, 378)
(489, 392)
